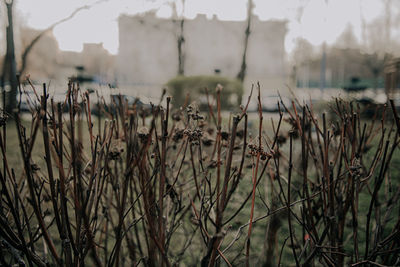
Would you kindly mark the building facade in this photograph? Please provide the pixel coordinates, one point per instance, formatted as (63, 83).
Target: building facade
(148, 51)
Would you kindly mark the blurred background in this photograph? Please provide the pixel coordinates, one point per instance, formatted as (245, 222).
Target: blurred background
(317, 49)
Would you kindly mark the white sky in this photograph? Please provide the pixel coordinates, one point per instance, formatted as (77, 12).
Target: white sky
(314, 20)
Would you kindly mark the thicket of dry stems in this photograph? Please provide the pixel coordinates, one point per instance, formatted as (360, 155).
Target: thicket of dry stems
(159, 187)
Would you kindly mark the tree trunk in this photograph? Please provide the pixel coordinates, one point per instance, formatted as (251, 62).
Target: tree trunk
(271, 237)
(181, 56)
(29, 47)
(9, 67)
(242, 73)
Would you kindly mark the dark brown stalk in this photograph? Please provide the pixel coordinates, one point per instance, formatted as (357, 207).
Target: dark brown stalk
(31, 185)
(161, 224)
(291, 234)
(215, 240)
(269, 157)
(396, 116)
(66, 226)
(254, 176)
(29, 255)
(378, 183)
(46, 143)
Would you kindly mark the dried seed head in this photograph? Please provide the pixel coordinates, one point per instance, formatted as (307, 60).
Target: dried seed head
(176, 116)
(35, 167)
(202, 123)
(76, 108)
(197, 117)
(144, 112)
(46, 212)
(46, 198)
(143, 134)
(213, 164)
(116, 149)
(3, 120)
(53, 123)
(178, 135)
(291, 121)
(224, 135)
(219, 87)
(194, 220)
(295, 134)
(114, 155)
(193, 135)
(207, 140)
(281, 139)
(240, 133)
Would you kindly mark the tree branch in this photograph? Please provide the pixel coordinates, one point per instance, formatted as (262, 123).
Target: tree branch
(29, 47)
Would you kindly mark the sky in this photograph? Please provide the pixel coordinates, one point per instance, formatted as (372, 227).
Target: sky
(315, 20)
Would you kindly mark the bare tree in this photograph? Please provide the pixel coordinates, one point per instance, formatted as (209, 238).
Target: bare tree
(376, 64)
(242, 73)
(388, 24)
(9, 66)
(180, 38)
(181, 57)
(29, 47)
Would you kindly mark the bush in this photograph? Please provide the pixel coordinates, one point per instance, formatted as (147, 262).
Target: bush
(165, 188)
(180, 86)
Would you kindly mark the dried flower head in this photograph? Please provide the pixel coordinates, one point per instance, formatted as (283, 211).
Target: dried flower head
(224, 135)
(176, 116)
(219, 87)
(207, 140)
(3, 119)
(281, 139)
(178, 135)
(116, 150)
(193, 135)
(143, 134)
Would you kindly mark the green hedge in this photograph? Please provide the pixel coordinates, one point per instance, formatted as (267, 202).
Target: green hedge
(231, 94)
